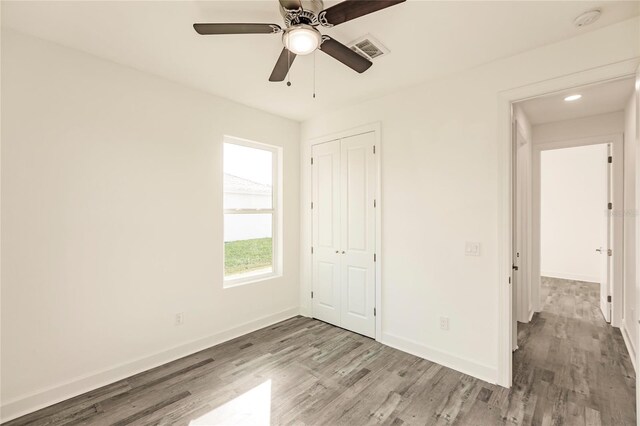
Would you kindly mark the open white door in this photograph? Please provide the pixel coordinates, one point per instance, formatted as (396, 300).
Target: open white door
(515, 272)
(637, 206)
(358, 225)
(605, 247)
(326, 232)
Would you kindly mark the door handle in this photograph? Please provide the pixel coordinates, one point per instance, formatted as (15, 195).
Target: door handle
(515, 268)
(599, 250)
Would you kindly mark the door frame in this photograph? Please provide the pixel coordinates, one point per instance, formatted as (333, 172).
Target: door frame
(617, 198)
(505, 101)
(306, 267)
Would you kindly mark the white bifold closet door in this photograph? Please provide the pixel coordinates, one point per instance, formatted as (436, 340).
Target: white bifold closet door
(343, 195)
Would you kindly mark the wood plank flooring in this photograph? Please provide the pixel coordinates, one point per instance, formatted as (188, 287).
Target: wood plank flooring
(572, 368)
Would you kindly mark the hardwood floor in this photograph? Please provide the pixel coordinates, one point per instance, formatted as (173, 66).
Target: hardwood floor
(572, 368)
(572, 362)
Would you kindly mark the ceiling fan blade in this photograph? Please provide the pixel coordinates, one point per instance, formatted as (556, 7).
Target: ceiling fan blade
(352, 9)
(283, 65)
(345, 55)
(291, 4)
(207, 29)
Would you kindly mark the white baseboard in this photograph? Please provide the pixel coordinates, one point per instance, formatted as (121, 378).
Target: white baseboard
(305, 312)
(570, 276)
(628, 343)
(20, 406)
(466, 366)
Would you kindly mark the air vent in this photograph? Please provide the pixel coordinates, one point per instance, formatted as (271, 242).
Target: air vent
(368, 47)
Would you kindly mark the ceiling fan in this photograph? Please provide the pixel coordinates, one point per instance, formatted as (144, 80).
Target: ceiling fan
(301, 35)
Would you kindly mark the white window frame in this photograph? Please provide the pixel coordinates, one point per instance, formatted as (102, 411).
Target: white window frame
(276, 217)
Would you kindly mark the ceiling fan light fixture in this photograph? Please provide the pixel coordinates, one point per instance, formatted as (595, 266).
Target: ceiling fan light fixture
(301, 39)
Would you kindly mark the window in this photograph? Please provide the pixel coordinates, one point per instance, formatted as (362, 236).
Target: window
(251, 207)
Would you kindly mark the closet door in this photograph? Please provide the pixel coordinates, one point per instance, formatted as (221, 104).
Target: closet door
(326, 231)
(357, 235)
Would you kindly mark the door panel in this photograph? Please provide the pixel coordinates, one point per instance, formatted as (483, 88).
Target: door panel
(326, 232)
(328, 275)
(607, 234)
(327, 225)
(515, 223)
(356, 197)
(521, 226)
(358, 184)
(356, 287)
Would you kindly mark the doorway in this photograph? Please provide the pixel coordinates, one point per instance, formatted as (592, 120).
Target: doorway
(570, 186)
(576, 225)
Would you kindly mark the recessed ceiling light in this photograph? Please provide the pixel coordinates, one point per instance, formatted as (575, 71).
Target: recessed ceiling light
(572, 98)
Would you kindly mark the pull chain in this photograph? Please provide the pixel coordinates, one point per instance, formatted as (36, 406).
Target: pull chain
(314, 73)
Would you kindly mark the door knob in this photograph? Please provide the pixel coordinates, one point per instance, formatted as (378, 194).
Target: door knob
(337, 251)
(342, 251)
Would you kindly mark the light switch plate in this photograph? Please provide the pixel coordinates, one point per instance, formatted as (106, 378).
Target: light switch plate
(444, 323)
(472, 249)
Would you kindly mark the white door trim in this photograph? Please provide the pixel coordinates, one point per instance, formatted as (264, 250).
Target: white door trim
(306, 229)
(505, 100)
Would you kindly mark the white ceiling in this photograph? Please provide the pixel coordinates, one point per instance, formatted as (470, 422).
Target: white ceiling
(427, 39)
(596, 99)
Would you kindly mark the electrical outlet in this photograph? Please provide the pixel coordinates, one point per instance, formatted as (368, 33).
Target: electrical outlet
(444, 323)
(179, 318)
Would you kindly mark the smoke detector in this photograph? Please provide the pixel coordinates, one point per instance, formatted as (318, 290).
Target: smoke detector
(587, 18)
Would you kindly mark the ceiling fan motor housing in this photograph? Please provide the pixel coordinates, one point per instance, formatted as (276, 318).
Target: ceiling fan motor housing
(308, 15)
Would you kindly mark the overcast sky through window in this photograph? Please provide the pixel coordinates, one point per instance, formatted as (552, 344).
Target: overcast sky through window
(248, 163)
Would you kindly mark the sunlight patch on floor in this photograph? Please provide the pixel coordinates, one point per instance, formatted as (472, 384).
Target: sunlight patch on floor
(251, 408)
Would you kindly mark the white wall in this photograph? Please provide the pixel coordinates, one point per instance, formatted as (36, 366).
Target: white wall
(630, 319)
(247, 227)
(112, 222)
(440, 189)
(572, 212)
(597, 125)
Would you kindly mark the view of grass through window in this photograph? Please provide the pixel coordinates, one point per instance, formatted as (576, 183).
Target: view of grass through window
(246, 256)
(248, 211)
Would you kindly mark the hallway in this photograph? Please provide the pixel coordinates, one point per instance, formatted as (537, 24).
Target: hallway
(573, 364)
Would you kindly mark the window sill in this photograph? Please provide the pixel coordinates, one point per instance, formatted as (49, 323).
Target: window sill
(249, 279)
